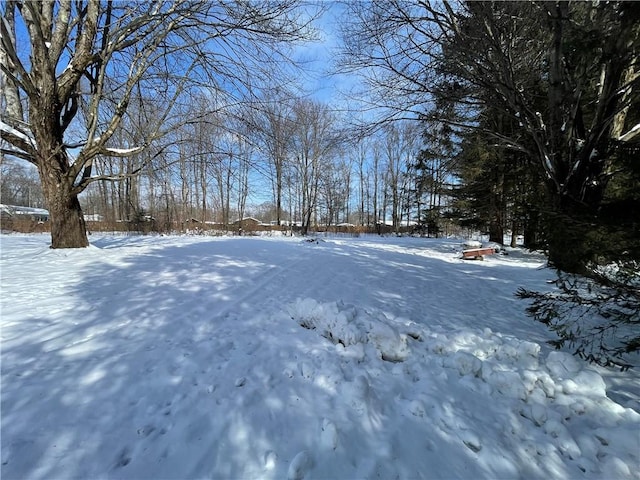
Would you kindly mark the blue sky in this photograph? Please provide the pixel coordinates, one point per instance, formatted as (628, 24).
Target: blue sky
(318, 58)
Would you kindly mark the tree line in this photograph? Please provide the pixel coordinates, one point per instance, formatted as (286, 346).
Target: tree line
(181, 111)
(288, 162)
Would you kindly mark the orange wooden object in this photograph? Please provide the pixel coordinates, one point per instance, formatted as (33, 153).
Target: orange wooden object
(478, 253)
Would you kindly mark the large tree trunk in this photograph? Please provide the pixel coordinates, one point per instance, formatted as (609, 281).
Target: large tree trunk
(496, 231)
(569, 226)
(496, 211)
(532, 230)
(68, 228)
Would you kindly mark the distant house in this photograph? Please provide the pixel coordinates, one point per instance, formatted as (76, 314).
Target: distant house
(288, 223)
(344, 227)
(403, 223)
(20, 212)
(93, 217)
(247, 223)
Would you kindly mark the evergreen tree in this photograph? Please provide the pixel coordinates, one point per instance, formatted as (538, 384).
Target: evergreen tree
(432, 169)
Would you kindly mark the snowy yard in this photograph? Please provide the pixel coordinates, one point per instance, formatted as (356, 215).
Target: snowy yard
(245, 358)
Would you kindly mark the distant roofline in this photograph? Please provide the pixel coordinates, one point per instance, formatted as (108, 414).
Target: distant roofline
(21, 210)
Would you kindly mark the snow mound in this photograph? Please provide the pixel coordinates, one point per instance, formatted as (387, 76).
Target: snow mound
(554, 406)
(345, 325)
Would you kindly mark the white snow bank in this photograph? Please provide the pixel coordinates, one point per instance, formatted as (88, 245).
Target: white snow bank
(345, 325)
(547, 411)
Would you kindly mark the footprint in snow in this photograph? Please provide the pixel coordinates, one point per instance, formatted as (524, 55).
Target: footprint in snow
(359, 393)
(146, 430)
(417, 408)
(329, 435)
(299, 466)
(471, 440)
(306, 370)
(124, 458)
(270, 459)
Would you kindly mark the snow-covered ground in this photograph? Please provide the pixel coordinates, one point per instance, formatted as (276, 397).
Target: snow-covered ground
(243, 358)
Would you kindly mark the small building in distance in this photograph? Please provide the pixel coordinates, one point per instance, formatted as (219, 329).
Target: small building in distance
(17, 212)
(93, 217)
(247, 223)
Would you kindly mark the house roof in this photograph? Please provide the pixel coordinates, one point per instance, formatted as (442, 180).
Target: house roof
(245, 219)
(20, 210)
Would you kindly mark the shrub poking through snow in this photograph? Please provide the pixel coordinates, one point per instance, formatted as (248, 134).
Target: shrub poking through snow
(597, 317)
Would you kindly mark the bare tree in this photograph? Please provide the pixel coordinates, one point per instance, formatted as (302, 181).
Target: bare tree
(86, 59)
(19, 185)
(314, 142)
(335, 183)
(376, 179)
(244, 157)
(399, 146)
(360, 159)
(207, 149)
(272, 126)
